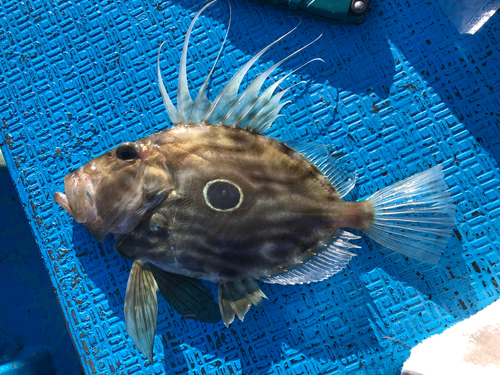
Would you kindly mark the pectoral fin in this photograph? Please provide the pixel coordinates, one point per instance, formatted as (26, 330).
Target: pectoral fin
(189, 296)
(141, 307)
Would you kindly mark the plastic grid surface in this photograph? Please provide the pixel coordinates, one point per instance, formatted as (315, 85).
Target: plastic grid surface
(398, 94)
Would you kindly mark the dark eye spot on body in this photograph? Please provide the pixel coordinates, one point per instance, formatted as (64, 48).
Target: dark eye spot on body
(127, 151)
(223, 195)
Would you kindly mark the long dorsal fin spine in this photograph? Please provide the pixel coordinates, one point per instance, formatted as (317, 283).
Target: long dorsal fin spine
(270, 118)
(265, 96)
(184, 101)
(257, 83)
(169, 106)
(230, 90)
(266, 110)
(228, 108)
(196, 114)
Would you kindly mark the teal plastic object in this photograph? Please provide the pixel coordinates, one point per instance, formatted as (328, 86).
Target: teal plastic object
(334, 11)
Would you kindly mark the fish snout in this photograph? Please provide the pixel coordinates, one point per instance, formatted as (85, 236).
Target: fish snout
(78, 199)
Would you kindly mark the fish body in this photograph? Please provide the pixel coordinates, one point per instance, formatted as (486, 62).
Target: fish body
(213, 198)
(283, 209)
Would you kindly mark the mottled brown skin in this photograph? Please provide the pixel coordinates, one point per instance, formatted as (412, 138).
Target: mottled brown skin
(289, 209)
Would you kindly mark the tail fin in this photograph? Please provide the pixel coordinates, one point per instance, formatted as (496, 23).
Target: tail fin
(414, 216)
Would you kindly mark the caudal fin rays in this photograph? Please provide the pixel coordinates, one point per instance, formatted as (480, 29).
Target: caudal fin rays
(415, 216)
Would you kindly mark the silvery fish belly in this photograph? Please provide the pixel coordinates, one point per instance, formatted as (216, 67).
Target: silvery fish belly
(213, 198)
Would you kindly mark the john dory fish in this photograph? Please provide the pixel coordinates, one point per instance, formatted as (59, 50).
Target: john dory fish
(214, 199)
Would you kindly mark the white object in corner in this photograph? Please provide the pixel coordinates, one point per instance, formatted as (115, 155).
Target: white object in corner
(469, 347)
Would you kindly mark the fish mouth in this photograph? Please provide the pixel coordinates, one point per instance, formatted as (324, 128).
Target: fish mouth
(78, 200)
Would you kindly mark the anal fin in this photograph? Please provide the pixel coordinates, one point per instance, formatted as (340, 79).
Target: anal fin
(327, 262)
(141, 308)
(189, 296)
(236, 298)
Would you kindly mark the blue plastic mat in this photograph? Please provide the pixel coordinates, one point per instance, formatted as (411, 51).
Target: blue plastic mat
(398, 94)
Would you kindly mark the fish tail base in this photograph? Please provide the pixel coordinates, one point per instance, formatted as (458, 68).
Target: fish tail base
(415, 216)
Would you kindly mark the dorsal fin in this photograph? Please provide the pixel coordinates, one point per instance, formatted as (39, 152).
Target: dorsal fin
(327, 262)
(249, 110)
(340, 172)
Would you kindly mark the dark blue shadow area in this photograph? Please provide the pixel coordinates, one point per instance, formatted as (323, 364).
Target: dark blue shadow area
(461, 68)
(30, 315)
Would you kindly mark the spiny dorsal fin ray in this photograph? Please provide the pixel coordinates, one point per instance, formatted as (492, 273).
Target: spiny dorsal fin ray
(327, 262)
(227, 108)
(252, 91)
(169, 106)
(236, 297)
(229, 93)
(249, 113)
(184, 101)
(202, 104)
(341, 174)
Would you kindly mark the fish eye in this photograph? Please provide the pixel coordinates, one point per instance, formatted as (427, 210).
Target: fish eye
(127, 151)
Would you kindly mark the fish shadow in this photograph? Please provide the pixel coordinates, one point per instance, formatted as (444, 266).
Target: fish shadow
(452, 66)
(409, 288)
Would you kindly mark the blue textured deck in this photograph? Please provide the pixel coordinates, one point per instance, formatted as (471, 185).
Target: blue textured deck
(399, 93)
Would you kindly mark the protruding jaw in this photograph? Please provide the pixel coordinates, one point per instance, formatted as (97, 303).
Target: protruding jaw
(78, 201)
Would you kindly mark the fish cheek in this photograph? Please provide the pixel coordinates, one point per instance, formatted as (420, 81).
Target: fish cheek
(111, 189)
(156, 182)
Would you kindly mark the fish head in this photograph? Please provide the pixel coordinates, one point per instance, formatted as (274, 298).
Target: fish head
(113, 192)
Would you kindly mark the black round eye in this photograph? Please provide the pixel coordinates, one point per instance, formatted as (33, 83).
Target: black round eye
(127, 151)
